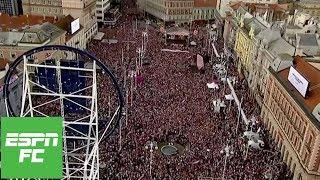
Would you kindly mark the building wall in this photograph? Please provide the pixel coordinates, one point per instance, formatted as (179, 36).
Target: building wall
(173, 10)
(15, 95)
(203, 13)
(48, 8)
(245, 49)
(9, 7)
(230, 31)
(13, 52)
(294, 133)
(260, 73)
(101, 7)
(77, 40)
(310, 8)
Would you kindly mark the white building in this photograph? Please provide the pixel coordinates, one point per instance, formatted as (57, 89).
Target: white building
(101, 7)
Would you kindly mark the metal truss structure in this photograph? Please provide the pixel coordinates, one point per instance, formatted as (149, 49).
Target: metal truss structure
(82, 132)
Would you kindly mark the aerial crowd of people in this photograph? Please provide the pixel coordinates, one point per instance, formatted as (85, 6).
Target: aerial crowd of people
(167, 101)
(174, 105)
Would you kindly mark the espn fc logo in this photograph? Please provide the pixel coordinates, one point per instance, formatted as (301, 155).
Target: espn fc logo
(31, 140)
(31, 147)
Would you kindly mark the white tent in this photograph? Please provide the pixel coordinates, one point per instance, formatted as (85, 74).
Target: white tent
(229, 97)
(213, 85)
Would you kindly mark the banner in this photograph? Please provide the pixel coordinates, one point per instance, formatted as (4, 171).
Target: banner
(200, 63)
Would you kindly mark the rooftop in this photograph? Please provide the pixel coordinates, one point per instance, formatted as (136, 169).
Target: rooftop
(19, 23)
(65, 24)
(37, 34)
(312, 74)
(279, 46)
(3, 64)
(205, 3)
(254, 6)
(308, 40)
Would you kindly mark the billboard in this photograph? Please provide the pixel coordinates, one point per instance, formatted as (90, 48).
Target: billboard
(298, 81)
(75, 25)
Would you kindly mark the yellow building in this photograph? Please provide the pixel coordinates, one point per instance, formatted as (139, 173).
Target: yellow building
(246, 44)
(294, 120)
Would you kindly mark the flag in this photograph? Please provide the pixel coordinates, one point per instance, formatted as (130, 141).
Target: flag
(200, 63)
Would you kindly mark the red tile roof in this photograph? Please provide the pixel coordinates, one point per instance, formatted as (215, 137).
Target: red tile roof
(7, 23)
(205, 3)
(3, 63)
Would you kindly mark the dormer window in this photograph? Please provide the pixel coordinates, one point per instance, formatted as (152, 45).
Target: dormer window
(13, 55)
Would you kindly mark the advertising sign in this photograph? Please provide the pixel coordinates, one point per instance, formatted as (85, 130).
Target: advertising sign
(298, 81)
(75, 25)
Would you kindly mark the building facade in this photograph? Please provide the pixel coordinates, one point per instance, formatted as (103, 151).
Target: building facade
(77, 39)
(294, 121)
(47, 8)
(84, 10)
(101, 8)
(311, 7)
(22, 33)
(9, 7)
(179, 10)
(167, 10)
(204, 10)
(257, 45)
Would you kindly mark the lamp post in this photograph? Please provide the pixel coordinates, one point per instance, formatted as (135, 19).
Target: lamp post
(239, 114)
(151, 145)
(228, 152)
(144, 42)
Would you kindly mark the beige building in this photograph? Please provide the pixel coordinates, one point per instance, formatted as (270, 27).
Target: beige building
(22, 33)
(84, 10)
(76, 39)
(294, 121)
(168, 10)
(179, 10)
(203, 9)
(311, 7)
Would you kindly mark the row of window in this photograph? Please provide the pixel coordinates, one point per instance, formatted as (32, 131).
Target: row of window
(291, 121)
(13, 55)
(305, 156)
(47, 2)
(46, 10)
(178, 4)
(179, 11)
(290, 111)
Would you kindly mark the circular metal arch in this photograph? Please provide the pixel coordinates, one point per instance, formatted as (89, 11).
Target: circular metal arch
(14, 65)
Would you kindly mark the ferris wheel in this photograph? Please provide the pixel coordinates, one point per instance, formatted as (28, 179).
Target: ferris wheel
(71, 83)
